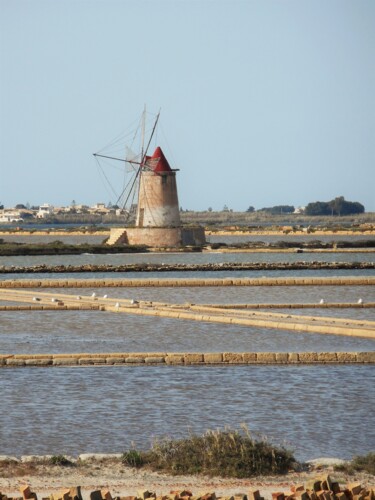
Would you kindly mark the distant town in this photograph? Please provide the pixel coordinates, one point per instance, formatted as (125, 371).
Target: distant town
(48, 212)
(21, 213)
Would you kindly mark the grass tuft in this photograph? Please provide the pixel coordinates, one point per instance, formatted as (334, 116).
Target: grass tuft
(225, 453)
(133, 458)
(60, 460)
(360, 463)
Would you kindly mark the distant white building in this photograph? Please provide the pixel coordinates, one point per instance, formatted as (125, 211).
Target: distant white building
(299, 210)
(99, 208)
(7, 216)
(44, 211)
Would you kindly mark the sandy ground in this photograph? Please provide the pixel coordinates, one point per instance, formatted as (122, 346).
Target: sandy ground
(124, 481)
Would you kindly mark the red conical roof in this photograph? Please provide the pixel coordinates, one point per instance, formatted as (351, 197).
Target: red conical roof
(158, 162)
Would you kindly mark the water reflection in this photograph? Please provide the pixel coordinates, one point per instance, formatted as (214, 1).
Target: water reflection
(184, 258)
(319, 411)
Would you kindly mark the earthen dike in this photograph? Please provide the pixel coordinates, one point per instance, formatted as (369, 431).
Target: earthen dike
(227, 266)
(241, 314)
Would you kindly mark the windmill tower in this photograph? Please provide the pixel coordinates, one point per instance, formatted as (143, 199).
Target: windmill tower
(157, 198)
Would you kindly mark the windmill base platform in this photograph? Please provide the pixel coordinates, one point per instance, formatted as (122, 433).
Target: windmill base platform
(159, 237)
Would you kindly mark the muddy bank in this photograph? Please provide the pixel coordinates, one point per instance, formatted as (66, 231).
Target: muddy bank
(60, 248)
(230, 266)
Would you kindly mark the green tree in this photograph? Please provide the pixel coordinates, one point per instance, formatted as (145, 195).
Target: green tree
(318, 208)
(337, 206)
(340, 206)
(278, 209)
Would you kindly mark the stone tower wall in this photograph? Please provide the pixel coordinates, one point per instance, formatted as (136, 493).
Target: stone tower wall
(158, 200)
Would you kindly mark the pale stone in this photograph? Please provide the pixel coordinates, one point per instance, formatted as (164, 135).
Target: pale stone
(214, 357)
(15, 362)
(308, 357)
(86, 457)
(8, 458)
(327, 357)
(91, 361)
(65, 361)
(266, 357)
(38, 362)
(249, 357)
(113, 360)
(281, 357)
(326, 461)
(346, 357)
(193, 358)
(232, 357)
(155, 359)
(175, 359)
(132, 359)
(293, 357)
(366, 357)
(35, 458)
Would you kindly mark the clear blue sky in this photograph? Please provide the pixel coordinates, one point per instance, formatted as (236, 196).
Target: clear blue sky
(263, 102)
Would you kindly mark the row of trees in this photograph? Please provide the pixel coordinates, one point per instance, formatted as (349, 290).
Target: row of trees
(338, 206)
(277, 209)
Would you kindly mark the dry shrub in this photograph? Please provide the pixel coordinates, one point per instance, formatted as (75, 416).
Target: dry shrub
(11, 468)
(361, 463)
(226, 453)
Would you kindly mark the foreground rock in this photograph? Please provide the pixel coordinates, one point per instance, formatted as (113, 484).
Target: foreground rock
(108, 478)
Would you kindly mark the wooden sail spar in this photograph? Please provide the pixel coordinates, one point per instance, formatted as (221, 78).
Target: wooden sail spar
(137, 163)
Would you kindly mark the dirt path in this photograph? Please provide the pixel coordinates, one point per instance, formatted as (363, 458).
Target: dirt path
(124, 481)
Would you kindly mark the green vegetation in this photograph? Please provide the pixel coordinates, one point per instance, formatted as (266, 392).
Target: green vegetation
(226, 453)
(338, 206)
(60, 460)
(278, 209)
(258, 219)
(361, 463)
(133, 458)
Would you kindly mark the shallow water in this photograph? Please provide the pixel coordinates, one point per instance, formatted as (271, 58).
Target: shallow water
(184, 258)
(236, 295)
(97, 331)
(68, 240)
(269, 238)
(318, 411)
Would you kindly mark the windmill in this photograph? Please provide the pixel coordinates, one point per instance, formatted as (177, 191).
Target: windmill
(153, 184)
